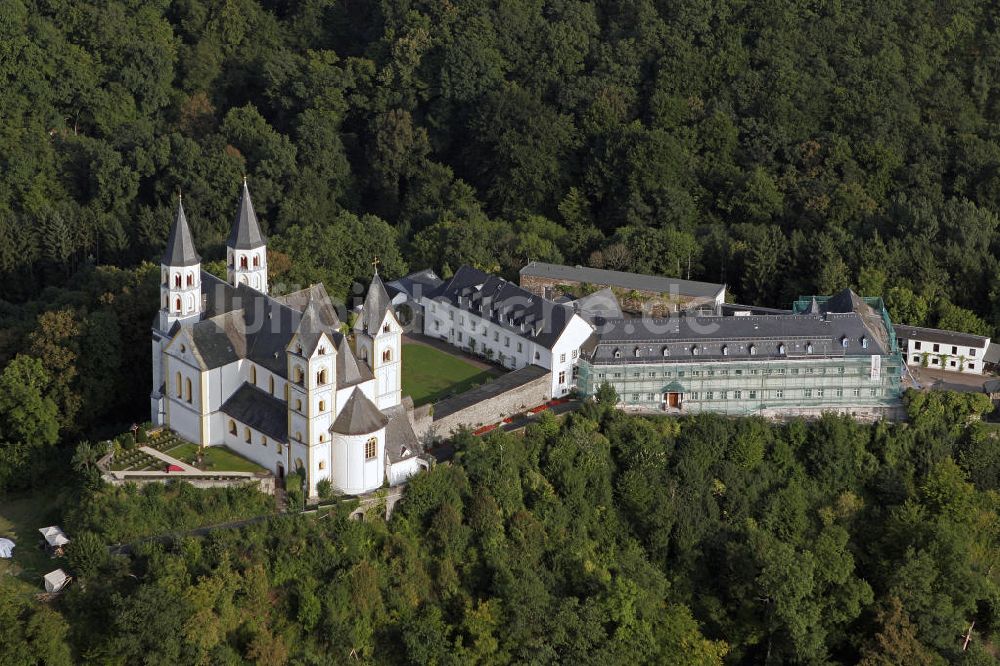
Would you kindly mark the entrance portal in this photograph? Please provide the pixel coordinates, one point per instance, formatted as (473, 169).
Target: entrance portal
(281, 471)
(673, 399)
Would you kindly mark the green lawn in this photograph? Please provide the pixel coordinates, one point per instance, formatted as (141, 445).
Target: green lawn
(217, 458)
(21, 516)
(430, 375)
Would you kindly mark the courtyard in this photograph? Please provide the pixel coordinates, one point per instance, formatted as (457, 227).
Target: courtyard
(430, 374)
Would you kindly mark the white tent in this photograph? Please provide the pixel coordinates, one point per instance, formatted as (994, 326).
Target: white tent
(6, 548)
(54, 536)
(55, 580)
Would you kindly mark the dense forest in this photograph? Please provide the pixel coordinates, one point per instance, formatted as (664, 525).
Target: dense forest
(604, 539)
(783, 148)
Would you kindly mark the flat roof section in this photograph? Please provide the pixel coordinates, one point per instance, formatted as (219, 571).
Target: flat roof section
(941, 336)
(623, 280)
(489, 390)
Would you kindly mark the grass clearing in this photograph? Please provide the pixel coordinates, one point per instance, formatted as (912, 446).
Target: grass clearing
(21, 516)
(430, 375)
(217, 458)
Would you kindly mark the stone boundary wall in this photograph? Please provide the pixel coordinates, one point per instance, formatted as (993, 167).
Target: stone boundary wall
(495, 408)
(652, 303)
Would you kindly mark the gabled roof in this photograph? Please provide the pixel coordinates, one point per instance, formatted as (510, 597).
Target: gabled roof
(503, 302)
(941, 336)
(400, 441)
(259, 410)
(359, 416)
(246, 231)
(377, 303)
(600, 304)
(180, 245)
(419, 284)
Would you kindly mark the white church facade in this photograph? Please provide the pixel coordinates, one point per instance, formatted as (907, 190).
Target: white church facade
(275, 378)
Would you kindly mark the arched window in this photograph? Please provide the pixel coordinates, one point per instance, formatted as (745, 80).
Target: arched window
(190, 279)
(253, 374)
(694, 350)
(618, 353)
(298, 404)
(298, 436)
(364, 354)
(300, 378)
(725, 350)
(243, 261)
(322, 405)
(753, 350)
(387, 356)
(781, 349)
(270, 385)
(321, 377)
(246, 435)
(322, 464)
(298, 463)
(637, 352)
(263, 440)
(844, 342)
(371, 447)
(178, 304)
(666, 352)
(187, 390)
(385, 329)
(177, 279)
(178, 385)
(232, 427)
(809, 348)
(256, 261)
(322, 437)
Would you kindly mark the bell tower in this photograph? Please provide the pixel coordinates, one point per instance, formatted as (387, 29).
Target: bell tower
(378, 339)
(246, 249)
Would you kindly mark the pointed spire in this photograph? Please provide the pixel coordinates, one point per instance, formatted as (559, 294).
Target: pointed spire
(377, 301)
(814, 306)
(180, 246)
(246, 231)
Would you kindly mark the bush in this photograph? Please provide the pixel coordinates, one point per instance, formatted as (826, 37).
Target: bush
(127, 441)
(324, 489)
(140, 436)
(86, 554)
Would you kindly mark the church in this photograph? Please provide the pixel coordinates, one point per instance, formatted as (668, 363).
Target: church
(276, 378)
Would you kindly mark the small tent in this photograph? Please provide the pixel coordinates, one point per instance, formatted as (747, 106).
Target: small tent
(54, 536)
(55, 580)
(6, 548)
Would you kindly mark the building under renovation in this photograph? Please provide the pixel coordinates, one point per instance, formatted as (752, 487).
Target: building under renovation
(829, 354)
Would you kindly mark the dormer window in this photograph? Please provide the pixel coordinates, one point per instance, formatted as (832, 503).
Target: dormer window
(781, 349)
(809, 348)
(666, 351)
(695, 351)
(753, 350)
(844, 342)
(618, 353)
(864, 342)
(725, 350)
(638, 352)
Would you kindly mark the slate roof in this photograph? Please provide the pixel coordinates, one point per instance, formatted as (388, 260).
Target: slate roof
(400, 441)
(349, 370)
(940, 336)
(503, 302)
(416, 285)
(377, 302)
(180, 245)
(992, 354)
(623, 280)
(241, 322)
(735, 338)
(359, 416)
(259, 410)
(600, 304)
(246, 231)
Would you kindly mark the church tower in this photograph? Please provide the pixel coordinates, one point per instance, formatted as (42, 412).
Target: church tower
(246, 251)
(180, 275)
(378, 339)
(180, 299)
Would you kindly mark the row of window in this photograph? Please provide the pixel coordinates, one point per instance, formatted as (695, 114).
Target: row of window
(936, 348)
(752, 394)
(696, 350)
(936, 360)
(839, 370)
